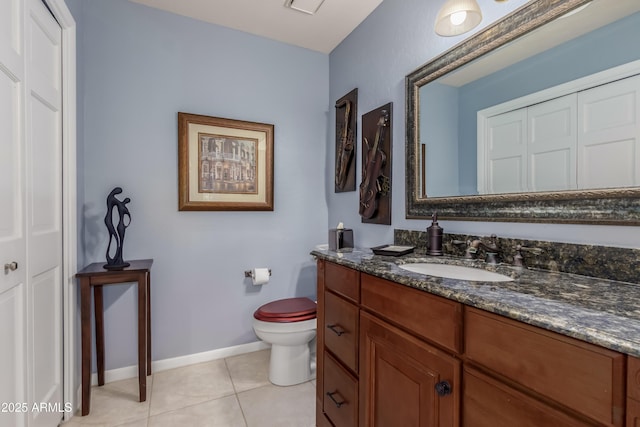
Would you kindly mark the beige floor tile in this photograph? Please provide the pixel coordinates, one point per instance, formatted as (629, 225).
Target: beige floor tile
(223, 412)
(203, 395)
(140, 423)
(115, 404)
(250, 370)
(75, 423)
(190, 385)
(273, 406)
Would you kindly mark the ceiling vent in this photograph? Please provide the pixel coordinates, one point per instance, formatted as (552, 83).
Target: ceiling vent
(309, 7)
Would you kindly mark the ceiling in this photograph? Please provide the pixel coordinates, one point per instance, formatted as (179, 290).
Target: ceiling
(322, 31)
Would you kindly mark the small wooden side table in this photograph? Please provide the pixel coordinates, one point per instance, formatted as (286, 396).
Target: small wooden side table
(94, 276)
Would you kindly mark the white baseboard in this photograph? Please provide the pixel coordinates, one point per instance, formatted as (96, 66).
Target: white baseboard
(180, 361)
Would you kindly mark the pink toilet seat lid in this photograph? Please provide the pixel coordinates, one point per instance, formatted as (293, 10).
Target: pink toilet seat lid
(287, 310)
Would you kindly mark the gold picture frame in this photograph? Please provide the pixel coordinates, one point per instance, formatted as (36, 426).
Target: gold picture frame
(224, 164)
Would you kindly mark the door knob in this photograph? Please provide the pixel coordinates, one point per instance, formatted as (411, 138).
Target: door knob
(12, 266)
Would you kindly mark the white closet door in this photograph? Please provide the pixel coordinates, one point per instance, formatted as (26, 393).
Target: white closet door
(609, 132)
(12, 216)
(506, 152)
(552, 143)
(44, 214)
(30, 215)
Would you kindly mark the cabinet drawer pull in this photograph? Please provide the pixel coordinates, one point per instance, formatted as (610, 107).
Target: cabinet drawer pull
(333, 399)
(443, 388)
(337, 329)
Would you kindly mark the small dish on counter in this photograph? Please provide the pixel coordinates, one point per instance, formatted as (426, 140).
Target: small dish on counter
(392, 250)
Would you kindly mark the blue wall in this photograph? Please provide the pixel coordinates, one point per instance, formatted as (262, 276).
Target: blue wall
(138, 67)
(392, 42)
(439, 134)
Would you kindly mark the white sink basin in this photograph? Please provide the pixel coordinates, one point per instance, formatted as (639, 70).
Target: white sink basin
(456, 272)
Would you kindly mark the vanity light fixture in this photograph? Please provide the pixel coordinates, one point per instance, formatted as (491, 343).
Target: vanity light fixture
(457, 17)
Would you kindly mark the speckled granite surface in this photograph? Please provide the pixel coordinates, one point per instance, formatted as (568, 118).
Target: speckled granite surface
(595, 310)
(621, 264)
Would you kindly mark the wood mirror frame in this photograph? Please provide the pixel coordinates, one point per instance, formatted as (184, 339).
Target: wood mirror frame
(599, 206)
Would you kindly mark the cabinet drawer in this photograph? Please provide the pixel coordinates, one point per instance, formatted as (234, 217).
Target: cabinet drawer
(633, 378)
(343, 280)
(490, 403)
(340, 401)
(341, 329)
(434, 318)
(584, 377)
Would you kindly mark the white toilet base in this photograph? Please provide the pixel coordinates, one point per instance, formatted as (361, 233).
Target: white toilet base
(289, 365)
(291, 347)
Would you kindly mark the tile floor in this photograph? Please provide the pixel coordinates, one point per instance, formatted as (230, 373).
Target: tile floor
(231, 392)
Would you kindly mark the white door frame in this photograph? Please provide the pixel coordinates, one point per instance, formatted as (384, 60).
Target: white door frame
(69, 200)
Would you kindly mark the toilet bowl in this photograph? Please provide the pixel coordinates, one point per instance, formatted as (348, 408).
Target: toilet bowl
(289, 325)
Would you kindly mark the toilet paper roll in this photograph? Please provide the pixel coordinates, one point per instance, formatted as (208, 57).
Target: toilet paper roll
(260, 276)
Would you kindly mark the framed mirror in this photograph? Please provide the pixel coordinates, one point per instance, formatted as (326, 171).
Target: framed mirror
(469, 159)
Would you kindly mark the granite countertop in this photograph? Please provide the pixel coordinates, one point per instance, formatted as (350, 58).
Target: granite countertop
(598, 311)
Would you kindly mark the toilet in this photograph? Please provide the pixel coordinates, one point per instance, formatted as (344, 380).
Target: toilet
(289, 325)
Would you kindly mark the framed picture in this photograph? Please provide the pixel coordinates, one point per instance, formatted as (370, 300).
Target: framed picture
(224, 164)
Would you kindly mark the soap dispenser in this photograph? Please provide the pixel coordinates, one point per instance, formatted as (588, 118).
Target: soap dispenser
(434, 236)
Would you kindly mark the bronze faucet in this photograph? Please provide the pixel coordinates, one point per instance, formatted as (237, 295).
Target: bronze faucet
(518, 259)
(490, 248)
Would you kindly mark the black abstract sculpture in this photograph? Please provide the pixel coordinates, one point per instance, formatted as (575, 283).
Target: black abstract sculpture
(116, 234)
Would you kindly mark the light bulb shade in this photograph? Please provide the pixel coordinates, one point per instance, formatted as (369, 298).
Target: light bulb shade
(446, 27)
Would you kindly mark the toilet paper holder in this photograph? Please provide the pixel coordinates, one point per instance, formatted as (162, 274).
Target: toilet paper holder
(248, 273)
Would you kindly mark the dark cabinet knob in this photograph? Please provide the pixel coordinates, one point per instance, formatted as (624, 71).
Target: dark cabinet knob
(443, 388)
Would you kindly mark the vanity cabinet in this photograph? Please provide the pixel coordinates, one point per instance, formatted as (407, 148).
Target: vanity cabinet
(391, 355)
(633, 392)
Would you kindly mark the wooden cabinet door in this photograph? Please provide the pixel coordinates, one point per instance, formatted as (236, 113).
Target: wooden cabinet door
(633, 392)
(399, 375)
(633, 413)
